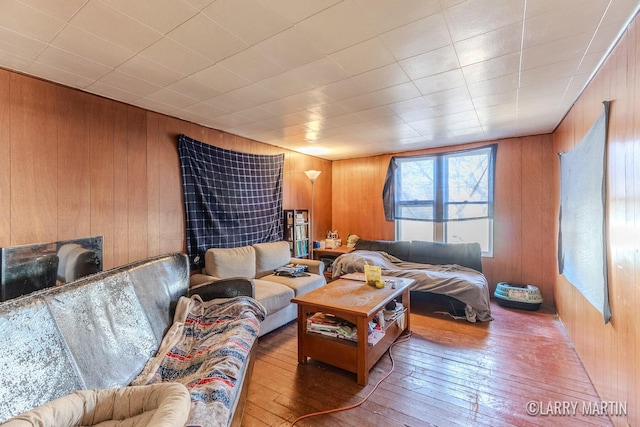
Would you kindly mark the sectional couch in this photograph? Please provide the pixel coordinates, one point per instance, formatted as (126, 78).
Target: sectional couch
(258, 263)
(115, 333)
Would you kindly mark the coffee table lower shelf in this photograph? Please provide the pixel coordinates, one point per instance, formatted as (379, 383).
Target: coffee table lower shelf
(357, 357)
(343, 353)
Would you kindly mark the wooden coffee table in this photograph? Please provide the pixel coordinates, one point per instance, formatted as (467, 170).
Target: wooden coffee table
(358, 303)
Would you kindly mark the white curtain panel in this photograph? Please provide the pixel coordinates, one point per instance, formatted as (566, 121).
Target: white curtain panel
(582, 238)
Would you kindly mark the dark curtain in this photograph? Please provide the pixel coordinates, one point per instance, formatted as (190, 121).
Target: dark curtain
(232, 199)
(442, 208)
(582, 256)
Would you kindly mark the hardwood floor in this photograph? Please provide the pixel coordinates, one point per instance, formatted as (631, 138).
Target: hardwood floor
(448, 373)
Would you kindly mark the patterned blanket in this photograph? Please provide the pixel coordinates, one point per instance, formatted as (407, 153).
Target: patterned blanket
(206, 349)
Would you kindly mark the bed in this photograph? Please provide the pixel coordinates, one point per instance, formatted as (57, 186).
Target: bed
(447, 270)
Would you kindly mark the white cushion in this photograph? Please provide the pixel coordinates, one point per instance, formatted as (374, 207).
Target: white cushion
(270, 256)
(273, 296)
(225, 263)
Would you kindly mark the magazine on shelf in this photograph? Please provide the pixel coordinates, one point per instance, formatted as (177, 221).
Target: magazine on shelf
(332, 326)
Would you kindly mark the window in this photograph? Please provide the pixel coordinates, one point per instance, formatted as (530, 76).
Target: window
(444, 197)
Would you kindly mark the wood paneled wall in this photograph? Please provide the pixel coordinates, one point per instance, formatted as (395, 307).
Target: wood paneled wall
(76, 165)
(524, 249)
(611, 353)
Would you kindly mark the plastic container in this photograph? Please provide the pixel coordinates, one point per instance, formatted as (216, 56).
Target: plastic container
(523, 297)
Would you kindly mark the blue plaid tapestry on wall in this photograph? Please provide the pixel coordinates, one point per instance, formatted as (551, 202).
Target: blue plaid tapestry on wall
(232, 199)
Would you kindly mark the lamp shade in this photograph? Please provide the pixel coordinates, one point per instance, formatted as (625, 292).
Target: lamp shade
(312, 174)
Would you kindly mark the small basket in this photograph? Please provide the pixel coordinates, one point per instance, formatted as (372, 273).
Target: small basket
(523, 297)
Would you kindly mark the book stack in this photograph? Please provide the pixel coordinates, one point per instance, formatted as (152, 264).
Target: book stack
(330, 325)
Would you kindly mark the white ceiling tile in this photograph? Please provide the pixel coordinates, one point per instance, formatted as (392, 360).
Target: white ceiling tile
(285, 84)
(541, 75)
(492, 68)
(208, 38)
(492, 44)
(551, 89)
(252, 21)
(307, 99)
(206, 110)
(289, 49)
(448, 96)
(15, 62)
(129, 83)
(58, 75)
(343, 89)
(220, 78)
(61, 10)
(193, 89)
(329, 111)
(296, 10)
(174, 56)
(152, 72)
(112, 92)
(255, 114)
(456, 106)
(109, 24)
(416, 117)
(407, 106)
(161, 15)
(383, 77)
(283, 121)
(385, 15)
(73, 64)
(251, 129)
(170, 97)
(539, 7)
(346, 24)
(31, 22)
(498, 85)
(589, 63)
(551, 26)
(555, 51)
(497, 113)
(337, 122)
(385, 96)
(20, 45)
(242, 98)
(496, 99)
(422, 36)
(157, 106)
(320, 72)
(604, 38)
(365, 56)
(251, 65)
(439, 82)
(78, 42)
(549, 29)
(475, 17)
(430, 63)
(200, 4)
(377, 113)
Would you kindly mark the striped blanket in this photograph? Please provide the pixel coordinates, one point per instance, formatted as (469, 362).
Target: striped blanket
(206, 349)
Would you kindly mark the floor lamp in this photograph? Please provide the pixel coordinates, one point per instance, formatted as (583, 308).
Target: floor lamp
(312, 175)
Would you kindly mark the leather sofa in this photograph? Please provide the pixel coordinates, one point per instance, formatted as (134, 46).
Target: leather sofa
(100, 332)
(258, 263)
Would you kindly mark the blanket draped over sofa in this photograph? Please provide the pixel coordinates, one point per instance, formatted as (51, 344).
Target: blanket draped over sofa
(461, 283)
(206, 349)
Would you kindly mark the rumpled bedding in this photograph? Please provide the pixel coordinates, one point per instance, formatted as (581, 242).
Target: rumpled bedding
(206, 349)
(462, 283)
